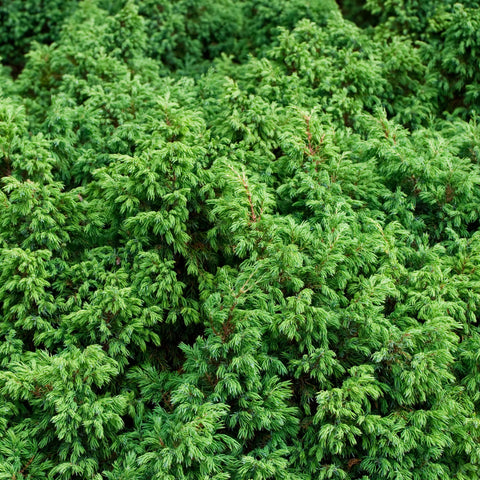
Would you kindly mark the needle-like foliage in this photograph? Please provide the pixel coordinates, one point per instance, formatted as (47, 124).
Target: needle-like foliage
(239, 240)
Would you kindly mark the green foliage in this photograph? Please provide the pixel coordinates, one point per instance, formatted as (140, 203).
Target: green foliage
(239, 240)
(27, 21)
(183, 34)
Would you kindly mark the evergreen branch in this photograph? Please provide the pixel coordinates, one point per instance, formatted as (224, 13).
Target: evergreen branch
(243, 180)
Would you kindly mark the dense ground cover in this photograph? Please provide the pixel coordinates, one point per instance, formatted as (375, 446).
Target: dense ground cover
(239, 239)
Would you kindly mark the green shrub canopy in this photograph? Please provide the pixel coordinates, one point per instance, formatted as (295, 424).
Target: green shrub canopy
(239, 240)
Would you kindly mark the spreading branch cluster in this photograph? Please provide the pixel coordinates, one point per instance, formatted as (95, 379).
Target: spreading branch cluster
(239, 240)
